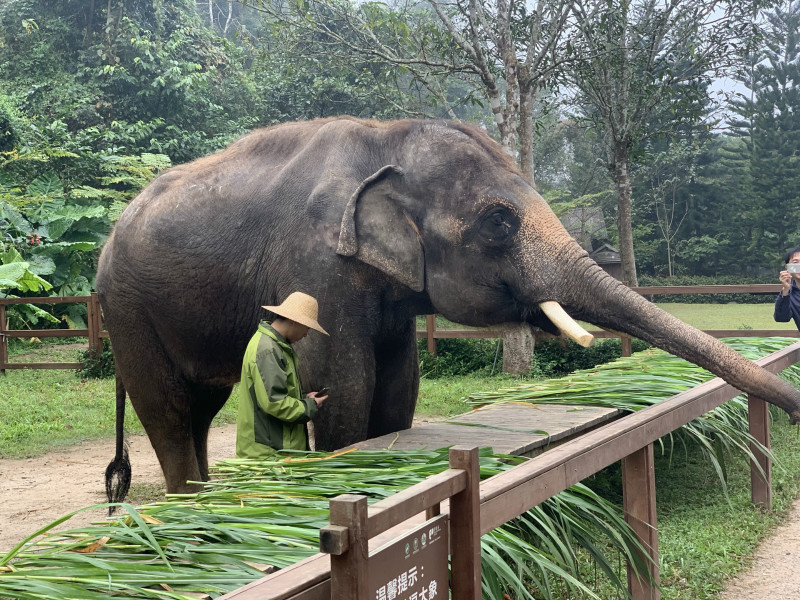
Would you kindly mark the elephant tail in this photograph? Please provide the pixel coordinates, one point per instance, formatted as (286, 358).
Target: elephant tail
(118, 472)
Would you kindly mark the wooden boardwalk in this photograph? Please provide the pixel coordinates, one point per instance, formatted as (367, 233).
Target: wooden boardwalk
(508, 428)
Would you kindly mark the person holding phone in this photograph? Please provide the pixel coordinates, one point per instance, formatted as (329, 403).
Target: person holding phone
(273, 412)
(787, 304)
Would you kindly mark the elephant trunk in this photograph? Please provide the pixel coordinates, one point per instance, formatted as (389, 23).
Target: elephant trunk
(594, 296)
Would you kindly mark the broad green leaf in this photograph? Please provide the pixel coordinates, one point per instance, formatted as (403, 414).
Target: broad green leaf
(9, 283)
(33, 283)
(58, 227)
(41, 265)
(13, 271)
(11, 255)
(75, 212)
(48, 185)
(70, 246)
(13, 216)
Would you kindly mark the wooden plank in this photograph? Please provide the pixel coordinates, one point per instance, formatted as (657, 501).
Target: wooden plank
(45, 300)
(751, 288)
(69, 365)
(47, 333)
(93, 321)
(3, 340)
(790, 331)
(761, 468)
(399, 507)
(508, 428)
(349, 575)
(308, 579)
(639, 505)
(465, 527)
(723, 333)
(430, 332)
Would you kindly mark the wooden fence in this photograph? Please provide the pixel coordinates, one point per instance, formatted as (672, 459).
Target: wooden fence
(480, 507)
(431, 333)
(94, 330)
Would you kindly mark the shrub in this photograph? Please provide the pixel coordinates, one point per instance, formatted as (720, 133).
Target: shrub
(551, 357)
(99, 367)
(558, 357)
(460, 357)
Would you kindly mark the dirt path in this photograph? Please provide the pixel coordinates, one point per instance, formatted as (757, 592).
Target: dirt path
(34, 492)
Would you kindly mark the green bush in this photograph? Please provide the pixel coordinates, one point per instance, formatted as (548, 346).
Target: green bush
(556, 357)
(649, 280)
(99, 367)
(551, 358)
(460, 357)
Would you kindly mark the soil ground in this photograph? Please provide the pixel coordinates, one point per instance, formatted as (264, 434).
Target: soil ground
(34, 492)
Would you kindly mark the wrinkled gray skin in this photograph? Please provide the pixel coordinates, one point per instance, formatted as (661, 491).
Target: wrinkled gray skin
(380, 222)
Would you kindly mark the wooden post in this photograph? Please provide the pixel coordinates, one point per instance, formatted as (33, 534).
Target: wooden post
(92, 320)
(760, 478)
(349, 576)
(3, 340)
(430, 325)
(626, 345)
(639, 502)
(465, 527)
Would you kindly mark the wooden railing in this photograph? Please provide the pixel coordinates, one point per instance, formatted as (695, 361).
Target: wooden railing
(431, 333)
(513, 492)
(94, 330)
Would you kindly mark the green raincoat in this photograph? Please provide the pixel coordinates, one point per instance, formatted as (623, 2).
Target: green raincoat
(273, 411)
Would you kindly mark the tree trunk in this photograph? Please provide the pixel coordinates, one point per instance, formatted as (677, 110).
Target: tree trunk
(526, 164)
(518, 346)
(624, 226)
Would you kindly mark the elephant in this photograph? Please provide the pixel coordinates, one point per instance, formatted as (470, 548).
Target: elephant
(380, 221)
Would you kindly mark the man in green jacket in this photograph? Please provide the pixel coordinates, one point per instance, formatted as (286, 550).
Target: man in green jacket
(272, 409)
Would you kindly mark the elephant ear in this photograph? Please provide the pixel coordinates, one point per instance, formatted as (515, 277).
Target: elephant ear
(376, 230)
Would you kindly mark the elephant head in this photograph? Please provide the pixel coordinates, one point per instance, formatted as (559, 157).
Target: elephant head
(452, 217)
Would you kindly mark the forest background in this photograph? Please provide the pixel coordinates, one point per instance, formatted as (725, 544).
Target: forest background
(615, 109)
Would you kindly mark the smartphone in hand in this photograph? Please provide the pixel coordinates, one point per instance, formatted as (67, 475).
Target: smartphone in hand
(323, 392)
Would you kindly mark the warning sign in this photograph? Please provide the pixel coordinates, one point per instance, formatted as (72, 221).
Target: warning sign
(413, 567)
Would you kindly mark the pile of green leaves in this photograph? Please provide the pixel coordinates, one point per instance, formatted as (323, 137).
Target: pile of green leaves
(258, 513)
(646, 378)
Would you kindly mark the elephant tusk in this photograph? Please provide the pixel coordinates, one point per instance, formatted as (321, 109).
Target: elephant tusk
(566, 324)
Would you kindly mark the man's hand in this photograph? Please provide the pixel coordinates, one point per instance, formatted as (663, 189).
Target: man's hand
(786, 280)
(318, 399)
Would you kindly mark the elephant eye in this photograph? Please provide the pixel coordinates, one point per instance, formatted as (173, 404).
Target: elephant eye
(498, 225)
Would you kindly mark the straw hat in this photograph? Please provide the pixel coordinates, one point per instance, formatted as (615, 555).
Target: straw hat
(300, 308)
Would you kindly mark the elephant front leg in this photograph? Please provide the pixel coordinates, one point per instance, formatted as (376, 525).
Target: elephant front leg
(348, 368)
(396, 384)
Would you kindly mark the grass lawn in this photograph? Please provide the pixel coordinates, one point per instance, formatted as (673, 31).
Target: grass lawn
(40, 409)
(727, 316)
(702, 316)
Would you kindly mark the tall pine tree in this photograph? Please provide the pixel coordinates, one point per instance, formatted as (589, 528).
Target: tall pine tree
(769, 123)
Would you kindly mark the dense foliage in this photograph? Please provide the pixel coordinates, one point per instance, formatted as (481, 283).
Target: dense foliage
(98, 97)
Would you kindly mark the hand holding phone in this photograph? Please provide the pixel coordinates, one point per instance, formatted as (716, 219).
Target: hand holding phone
(323, 392)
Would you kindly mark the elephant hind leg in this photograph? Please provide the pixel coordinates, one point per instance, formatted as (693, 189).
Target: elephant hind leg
(162, 399)
(207, 402)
